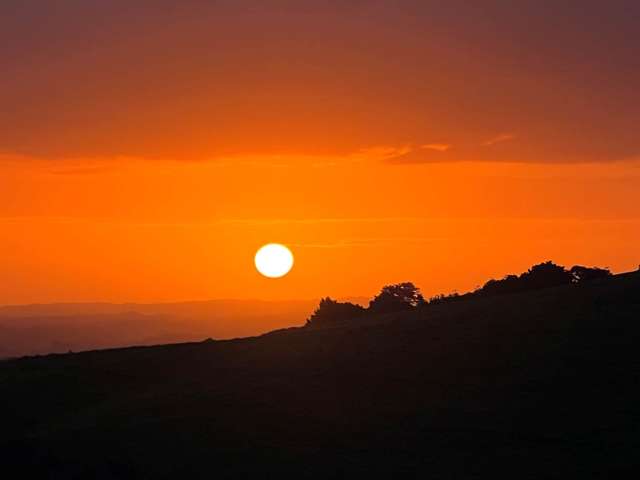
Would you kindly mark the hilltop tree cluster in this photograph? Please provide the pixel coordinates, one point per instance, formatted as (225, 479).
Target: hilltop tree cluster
(543, 275)
(392, 298)
(402, 297)
(331, 311)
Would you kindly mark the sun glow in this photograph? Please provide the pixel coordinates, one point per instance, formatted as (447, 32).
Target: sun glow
(274, 260)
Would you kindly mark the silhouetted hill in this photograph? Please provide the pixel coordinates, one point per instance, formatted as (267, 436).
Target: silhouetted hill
(538, 384)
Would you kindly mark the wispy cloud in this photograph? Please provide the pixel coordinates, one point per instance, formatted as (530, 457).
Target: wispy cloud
(311, 221)
(369, 242)
(439, 147)
(377, 153)
(88, 170)
(503, 137)
(381, 152)
(417, 153)
(217, 222)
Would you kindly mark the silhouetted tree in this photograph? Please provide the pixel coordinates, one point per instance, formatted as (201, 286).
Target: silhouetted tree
(509, 284)
(398, 297)
(582, 274)
(544, 275)
(330, 311)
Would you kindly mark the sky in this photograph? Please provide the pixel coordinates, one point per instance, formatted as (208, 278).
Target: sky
(147, 149)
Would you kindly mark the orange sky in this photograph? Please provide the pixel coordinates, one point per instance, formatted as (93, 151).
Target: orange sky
(140, 231)
(146, 153)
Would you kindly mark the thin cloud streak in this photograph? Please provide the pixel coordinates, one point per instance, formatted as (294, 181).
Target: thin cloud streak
(438, 147)
(298, 221)
(503, 137)
(370, 242)
(390, 155)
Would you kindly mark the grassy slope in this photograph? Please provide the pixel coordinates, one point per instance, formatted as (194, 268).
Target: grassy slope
(541, 384)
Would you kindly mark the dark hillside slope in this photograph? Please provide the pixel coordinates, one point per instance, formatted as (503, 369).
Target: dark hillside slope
(539, 385)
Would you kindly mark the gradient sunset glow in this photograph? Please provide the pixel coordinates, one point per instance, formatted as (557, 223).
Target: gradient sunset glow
(148, 151)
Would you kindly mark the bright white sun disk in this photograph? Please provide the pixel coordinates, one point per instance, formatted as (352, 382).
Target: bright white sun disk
(274, 260)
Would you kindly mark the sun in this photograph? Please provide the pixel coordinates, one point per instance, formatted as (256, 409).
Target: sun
(274, 260)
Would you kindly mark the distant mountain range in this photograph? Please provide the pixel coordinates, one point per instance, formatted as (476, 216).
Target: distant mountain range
(60, 327)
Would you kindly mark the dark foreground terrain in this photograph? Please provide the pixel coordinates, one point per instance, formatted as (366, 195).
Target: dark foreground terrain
(541, 384)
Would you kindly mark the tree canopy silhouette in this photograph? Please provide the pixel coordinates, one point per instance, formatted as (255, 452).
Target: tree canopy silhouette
(406, 296)
(509, 284)
(397, 297)
(543, 275)
(582, 274)
(330, 311)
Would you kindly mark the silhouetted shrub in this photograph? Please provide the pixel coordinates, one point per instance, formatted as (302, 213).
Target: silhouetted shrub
(442, 298)
(509, 284)
(398, 297)
(330, 311)
(543, 275)
(580, 274)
